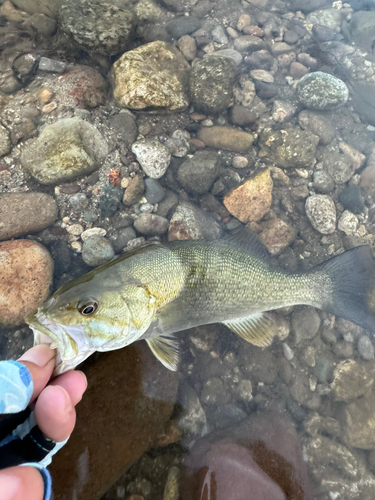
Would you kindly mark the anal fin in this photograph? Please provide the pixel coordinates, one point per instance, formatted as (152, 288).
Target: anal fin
(256, 329)
(166, 350)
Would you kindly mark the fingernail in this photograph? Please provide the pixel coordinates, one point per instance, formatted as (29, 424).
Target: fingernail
(84, 377)
(9, 487)
(40, 355)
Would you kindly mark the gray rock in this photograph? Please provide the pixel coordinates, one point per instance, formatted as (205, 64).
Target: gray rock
(323, 182)
(78, 202)
(211, 84)
(188, 47)
(67, 149)
(362, 29)
(89, 25)
(225, 415)
(365, 348)
(192, 420)
(249, 44)
(321, 91)
(318, 124)
(245, 115)
(169, 202)
(97, 250)
(5, 145)
(25, 213)
(352, 199)
(198, 173)
(134, 191)
(348, 222)
(154, 191)
(190, 223)
(231, 54)
(330, 18)
(153, 157)
(125, 126)
(183, 25)
(305, 324)
(121, 237)
(109, 200)
(218, 34)
(283, 111)
(352, 379)
(151, 224)
(338, 165)
(321, 212)
(214, 393)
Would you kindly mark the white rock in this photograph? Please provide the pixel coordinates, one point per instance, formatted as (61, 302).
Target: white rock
(153, 157)
(90, 233)
(348, 222)
(321, 212)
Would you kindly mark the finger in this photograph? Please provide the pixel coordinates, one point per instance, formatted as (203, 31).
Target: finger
(74, 382)
(55, 413)
(21, 483)
(40, 361)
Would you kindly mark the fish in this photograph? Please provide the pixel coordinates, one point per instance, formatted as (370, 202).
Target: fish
(152, 292)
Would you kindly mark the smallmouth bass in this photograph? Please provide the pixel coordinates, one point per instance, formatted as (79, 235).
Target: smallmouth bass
(157, 290)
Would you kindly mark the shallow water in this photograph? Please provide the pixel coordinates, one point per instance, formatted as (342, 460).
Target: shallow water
(294, 420)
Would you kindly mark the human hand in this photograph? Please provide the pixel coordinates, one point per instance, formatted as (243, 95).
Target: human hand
(54, 414)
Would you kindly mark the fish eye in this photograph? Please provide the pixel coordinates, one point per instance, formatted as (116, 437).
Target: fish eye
(88, 308)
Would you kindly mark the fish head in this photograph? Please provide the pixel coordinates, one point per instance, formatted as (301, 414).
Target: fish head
(81, 318)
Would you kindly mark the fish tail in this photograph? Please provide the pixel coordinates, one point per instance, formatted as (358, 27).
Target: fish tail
(352, 286)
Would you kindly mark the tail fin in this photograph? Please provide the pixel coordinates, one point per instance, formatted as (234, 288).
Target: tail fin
(352, 276)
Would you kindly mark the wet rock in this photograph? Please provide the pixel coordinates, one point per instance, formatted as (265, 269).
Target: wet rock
(276, 235)
(154, 191)
(348, 222)
(190, 223)
(231, 54)
(226, 415)
(188, 47)
(89, 25)
(25, 213)
(120, 238)
(97, 250)
(148, 11)
(351, 198)
(78, 202)
(331, 18)
(291, 147)
(153, 75)
(318, 124)
(307, 5)
(218, 35)
(352, 379)
(198, 173)
(298, 70)
(305, 323)
(169, 202)
(261, 59)
(213, 392)
(367, 180)
(172, 486)
(323, 182)
(282, 111)
(153, 157)
(82, 86)
(248, 44)
(323, 33)
(67, 149)
(365, 348)
(252, 200)
(192, 419)
(339, 165)
(300, 390)
(321, 212)
(183, 25)
(125, 126)
(25, 278)
(240, 162)
(148, 393)
(226, 138)
(151, 224)
(109, 200)
(360, 423)
(5, 145)
(361, 29)
(134, 191)
(245, 115)
(316, 424)
(211, 83)
(321, 91)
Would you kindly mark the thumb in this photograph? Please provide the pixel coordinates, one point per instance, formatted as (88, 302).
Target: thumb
(21, 483)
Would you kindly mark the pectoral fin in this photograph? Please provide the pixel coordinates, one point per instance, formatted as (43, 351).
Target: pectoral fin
(166, 351)
(256, 329)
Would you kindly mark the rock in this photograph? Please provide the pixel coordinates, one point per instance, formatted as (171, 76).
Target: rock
(134, 191)
(214, 393)
(172, 485)
(348, 222)
(262, 75)
(367, 180)
(110, 197)
(323, 182)
(252, 200)
(360, 423)
(352, 379)
(282, 111)
(218, 35)
(298, 70)
(226, 138)
(226, 415)
(245, 115)
(81, 86)
(69, 148)
(5, 145)
(125, 126)
(25, 278)
(154, 191)
(89, 25)
(231, 54)
(307, 5)
(361, 29)
(338, 165)
(152, 75)
(318, 124)
(190, 223)
(148, 392)
(198, 173)
(151, 224)
(192, 419)
(153, 156)
(305, 323)
(240, 162)
(211, 83)
(290, 147)
(188, 47)
(321, 91)
(248, 44)
(276, 235)
(365, 348)
(148, 11)
(25, 213)
(321, 212)
(120, 238)
(78, 202)
(168, 203)
(92, 233)
(330, 18)
(183, 25)
(351, 198)
(97, 251)
(323, 33)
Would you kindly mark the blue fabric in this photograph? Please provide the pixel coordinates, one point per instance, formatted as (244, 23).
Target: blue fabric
(46, 479)
(16, 387)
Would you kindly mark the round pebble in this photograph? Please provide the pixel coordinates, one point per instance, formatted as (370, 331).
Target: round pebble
(321, 91)
(240, 162)
(348, 222)
(96, 251)
(75, 229)
(321, 212)
(365, 348)
(151, 224)
(154, 191)
(92, 233)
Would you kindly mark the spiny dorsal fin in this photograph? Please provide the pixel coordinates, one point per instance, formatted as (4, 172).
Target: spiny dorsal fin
(245, 239)
(166, 350)
(256, 329)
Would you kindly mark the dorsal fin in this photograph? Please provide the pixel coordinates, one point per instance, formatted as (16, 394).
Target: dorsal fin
(245, 239)
(256, 329)
(166, 350)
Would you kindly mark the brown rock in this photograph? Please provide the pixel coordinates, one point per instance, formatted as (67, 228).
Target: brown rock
(25, 213)
(360, 423)
(134, 191)
(298, 70)
(276, 235)
(252, 200)
(352, 379)
(226, 138)
(129, 399)
(367, 181)
(26, 273)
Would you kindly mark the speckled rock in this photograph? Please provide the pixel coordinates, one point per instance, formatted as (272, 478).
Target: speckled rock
(109, 200)
(226, 138)
(276, 235)
(321, 212)
(67, 149)
(5, 144)
(148, 11)
(153, 75)
(25, 213)
(153, 157)
(360, 423)
(151, 224)
(330, 18)
(352, 379)
(348, 222)
(81, 86)
(321, 91)
(198, 173)
(323, 182)
(211, 83)
(252, 200)
(89, 25)
(338, 164)
(97, 250)
(318, 124)
(190, 223)
(26, 274)
(291, 147)
(230, 54)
